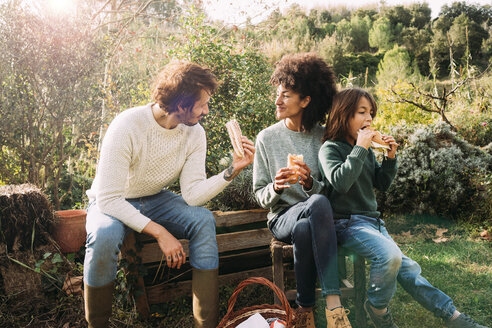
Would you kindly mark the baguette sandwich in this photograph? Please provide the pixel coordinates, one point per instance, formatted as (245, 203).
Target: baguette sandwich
(235, 134)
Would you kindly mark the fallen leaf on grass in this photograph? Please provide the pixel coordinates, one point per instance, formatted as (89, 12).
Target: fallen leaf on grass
(73, 285)
(67, 325)
(406, 234)
(404, 237)
(440, 232)
(485, 235)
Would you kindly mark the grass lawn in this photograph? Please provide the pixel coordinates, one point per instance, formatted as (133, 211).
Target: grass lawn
(452, 258)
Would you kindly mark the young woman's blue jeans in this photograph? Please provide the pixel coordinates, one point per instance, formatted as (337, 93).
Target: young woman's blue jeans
(105, 234)
(368, 237)
(308, 225)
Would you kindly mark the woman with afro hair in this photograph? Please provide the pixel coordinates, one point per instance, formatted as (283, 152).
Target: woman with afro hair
(299, 214)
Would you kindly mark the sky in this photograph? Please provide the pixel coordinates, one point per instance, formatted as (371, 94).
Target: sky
(236, 11)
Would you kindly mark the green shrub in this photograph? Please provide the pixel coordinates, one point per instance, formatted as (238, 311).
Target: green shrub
(396, 66)
(73, 186)
(362, 66)
(481, 202)
(244, 92)
(49, 96)
(392, 113)
(238, 195)
(475, 130)
(439, 173)
(471, 111)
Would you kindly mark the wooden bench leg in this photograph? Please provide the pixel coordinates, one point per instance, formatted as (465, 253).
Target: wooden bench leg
(342, 266)
(278, 269)
(130, 254)
(360, 290)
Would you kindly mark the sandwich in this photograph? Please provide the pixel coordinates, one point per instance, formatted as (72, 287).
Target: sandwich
(377, 140)
(236, 137)
(293, 166)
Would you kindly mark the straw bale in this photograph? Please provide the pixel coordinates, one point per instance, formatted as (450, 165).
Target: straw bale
(24, 208)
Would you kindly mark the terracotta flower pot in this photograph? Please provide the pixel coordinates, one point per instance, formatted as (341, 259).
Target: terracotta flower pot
(69, 231)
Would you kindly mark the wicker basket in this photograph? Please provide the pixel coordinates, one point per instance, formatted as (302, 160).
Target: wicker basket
(233, 318)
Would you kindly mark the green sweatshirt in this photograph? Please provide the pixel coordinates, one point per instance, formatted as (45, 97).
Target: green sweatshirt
(273, 144)
(351, 173)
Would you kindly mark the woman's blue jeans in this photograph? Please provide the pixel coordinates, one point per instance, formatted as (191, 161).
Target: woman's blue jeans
(368, 237)
(105, 234)
(309, 227)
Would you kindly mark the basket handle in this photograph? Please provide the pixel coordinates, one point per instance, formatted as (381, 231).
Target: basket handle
(262, 281)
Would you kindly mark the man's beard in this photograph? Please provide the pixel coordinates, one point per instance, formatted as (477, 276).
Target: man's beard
(189, 123)
(187, 119)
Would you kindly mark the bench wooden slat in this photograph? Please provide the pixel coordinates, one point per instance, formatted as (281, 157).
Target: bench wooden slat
(347, 293)
(233, 218)
(226, 242)
(167, 292)
(226, 219)
(225, 258)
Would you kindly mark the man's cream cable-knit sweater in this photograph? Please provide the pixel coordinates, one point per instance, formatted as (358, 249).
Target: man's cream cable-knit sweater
(139, 158)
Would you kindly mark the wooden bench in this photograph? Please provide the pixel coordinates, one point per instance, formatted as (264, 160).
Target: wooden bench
(245, 250)
(282, 268)
(243, 241)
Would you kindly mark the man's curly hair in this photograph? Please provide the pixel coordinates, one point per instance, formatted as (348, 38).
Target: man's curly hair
(180, 84)
(309, 75)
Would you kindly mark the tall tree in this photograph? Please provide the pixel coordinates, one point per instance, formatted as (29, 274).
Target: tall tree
(48, 93)
(361, 26)
(381, 34)
(416, 42)
(467, 33)
(421, 15)
(396, 66)
(477, 13)
(450, 28)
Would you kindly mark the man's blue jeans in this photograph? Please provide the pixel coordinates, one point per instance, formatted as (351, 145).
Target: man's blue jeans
(368, 237)
(308, 226)
(105, 234)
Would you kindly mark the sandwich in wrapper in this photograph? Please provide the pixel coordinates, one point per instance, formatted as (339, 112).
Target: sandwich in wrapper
(378, 142)
(235, 134)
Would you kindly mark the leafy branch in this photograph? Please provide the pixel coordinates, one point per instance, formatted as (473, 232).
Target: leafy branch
(432, 102)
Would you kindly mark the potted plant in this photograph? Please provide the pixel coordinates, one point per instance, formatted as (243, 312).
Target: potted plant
(69, 231)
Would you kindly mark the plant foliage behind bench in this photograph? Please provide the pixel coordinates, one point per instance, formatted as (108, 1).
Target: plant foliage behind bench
(440, 173)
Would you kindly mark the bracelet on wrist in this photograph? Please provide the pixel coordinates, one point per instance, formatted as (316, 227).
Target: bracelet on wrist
(229, 173)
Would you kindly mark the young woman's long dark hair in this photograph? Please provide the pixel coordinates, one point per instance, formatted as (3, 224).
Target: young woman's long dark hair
(344, 107)
(309, 75)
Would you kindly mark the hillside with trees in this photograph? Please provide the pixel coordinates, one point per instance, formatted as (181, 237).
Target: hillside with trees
(65, 76)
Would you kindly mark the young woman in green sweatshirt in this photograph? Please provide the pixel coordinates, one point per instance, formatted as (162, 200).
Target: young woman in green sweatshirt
(351, 172)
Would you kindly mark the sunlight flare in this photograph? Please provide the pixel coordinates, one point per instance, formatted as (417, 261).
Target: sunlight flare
(62, 7)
